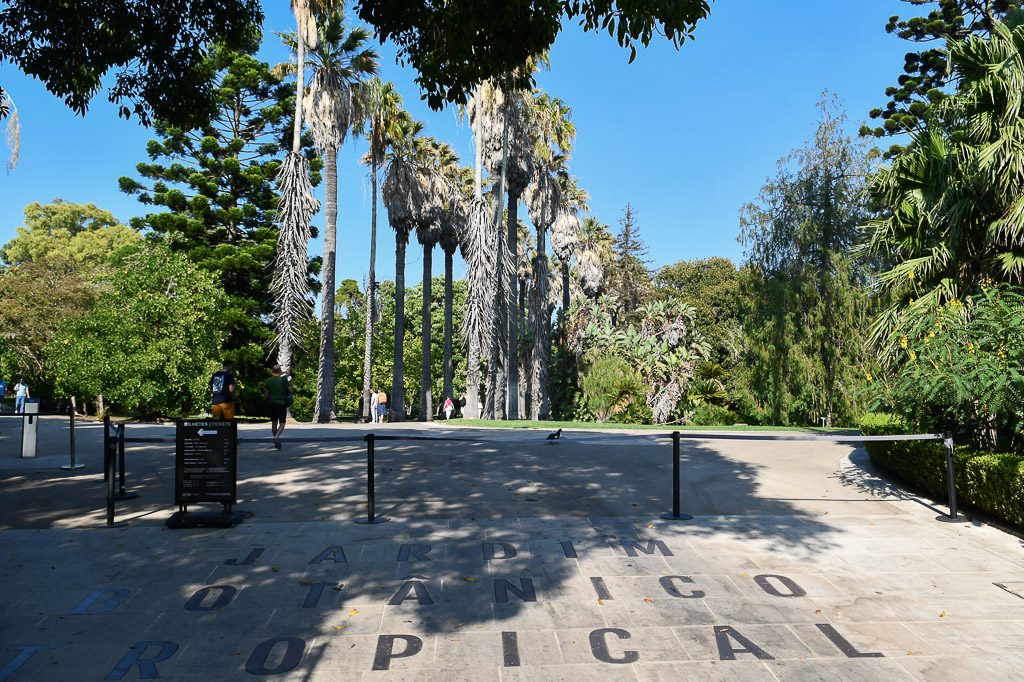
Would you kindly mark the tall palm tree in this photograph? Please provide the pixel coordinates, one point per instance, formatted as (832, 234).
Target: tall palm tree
(453, 220)
(333, 103)
(596, 256)
(511, 155)
(297, 206)
(405, 191)
(555, 137)
(476, 240)
(428, 232)
(382, 106)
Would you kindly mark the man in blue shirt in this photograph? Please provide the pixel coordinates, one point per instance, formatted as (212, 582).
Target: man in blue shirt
(3, 392)
(222, 386)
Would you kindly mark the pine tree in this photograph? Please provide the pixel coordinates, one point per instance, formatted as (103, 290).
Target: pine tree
(630, 278)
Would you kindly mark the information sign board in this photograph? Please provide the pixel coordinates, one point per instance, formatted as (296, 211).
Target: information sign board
(206, 466)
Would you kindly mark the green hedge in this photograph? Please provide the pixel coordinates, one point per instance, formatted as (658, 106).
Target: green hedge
(991, 482)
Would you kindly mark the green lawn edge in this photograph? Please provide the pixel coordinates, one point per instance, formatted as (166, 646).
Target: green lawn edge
(594, 426)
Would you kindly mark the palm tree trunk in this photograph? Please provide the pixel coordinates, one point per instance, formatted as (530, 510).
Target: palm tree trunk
(371, 292)
(565, 287)
(324, 410)
(449, 258)
(398, 370)
(539, 407)
(284, 348)
(512, 235)
(426, 407)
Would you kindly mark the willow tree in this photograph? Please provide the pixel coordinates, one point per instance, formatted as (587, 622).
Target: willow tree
(382, 105)
(333, 103)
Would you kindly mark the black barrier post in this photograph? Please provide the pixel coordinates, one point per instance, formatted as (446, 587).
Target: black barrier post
(109, 461)
(73, 465)
(121, 493)
(676, 516)
(371, 517)
(947, 440)
(106, 445)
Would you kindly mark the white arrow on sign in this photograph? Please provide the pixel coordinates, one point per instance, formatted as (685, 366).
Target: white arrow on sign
(207, 432)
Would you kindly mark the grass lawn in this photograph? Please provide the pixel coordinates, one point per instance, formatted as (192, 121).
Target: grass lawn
(526, 424)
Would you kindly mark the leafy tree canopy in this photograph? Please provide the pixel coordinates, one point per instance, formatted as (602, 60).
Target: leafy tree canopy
(217, 184)
(158, 45)
(455, 44)
(35, 297)
(711, 286)
(150, 343)
(83, 233)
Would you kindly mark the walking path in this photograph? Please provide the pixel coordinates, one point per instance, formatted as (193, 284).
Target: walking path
(511, 558)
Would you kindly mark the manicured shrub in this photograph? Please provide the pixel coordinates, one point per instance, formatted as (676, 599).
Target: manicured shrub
(991, 482)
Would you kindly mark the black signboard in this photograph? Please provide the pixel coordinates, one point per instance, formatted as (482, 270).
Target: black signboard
(206, 466)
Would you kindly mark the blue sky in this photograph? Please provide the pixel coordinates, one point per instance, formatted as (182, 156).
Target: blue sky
(685, 136)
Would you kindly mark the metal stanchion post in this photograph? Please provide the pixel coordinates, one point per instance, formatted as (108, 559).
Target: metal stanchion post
(371, 516)
(122, 494)
(109, 462)
(676, 516)
(947, 440)
(73, 464)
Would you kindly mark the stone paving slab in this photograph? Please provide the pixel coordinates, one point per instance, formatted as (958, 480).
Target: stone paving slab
(807, 567)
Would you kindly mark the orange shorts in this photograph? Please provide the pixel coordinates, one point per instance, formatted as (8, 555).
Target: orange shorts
(224, 411)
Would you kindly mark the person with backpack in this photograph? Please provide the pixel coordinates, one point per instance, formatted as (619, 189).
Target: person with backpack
(382, 406)
(222, 389)
(279, 393)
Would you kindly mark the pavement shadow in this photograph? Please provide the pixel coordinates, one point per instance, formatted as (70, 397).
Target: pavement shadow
(508, 529)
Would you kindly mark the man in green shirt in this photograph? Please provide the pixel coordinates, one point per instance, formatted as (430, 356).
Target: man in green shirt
(278, 391)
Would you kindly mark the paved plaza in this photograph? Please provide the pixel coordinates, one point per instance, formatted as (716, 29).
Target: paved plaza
(509, 558)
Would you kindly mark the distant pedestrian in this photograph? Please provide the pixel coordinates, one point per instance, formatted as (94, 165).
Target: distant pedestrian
(448, 407)
(20, 396)
(373, 405)
(222, 388)
(278, 391)
(382, 406)
(3, 392)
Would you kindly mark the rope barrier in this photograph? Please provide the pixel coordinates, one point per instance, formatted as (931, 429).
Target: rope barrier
(115, 445)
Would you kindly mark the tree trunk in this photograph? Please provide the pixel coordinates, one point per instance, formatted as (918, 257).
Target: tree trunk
(448, 329)
(426, 406)
(398, 370)
(324, 410)
(565, 288)
(541, 328)
(284, 348)
(371, 292)
(512, 235)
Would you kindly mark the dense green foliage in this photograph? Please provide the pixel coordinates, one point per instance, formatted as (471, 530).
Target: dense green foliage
(711, 287)
(159, 46)
(992, 482)
(804, 304)
(150, 343)
(85, 234)
(217, 184)
(456, 45)
(35, 297)
(960, 366)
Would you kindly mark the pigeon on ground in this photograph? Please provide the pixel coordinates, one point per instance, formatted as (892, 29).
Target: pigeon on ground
(556, 435)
